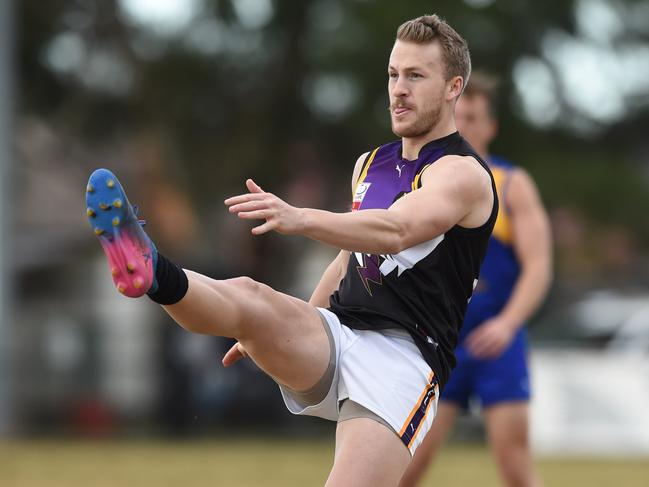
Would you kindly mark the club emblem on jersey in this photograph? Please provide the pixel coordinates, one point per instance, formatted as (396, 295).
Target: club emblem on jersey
(372, 267)
(368, 269)
(359, 195)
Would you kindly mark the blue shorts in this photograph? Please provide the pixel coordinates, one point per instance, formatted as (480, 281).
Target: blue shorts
(503, 379)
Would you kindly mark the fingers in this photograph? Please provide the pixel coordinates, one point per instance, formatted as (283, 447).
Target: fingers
(482, 349)
(489, 353)
(252, 210)
(255, 215)
(248, 206)
(482, 352)
(473, 340)
(483, 346)
(477, 343)
(253, 187)
(256, 205)
(263, 228)
(255, 193)
(243, 198)
(232, 356)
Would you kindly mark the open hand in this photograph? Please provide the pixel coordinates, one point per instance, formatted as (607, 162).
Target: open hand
(259, 205)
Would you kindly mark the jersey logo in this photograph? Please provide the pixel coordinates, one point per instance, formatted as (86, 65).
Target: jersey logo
(399, 168)
(368, 269)
(407, 259)
(359, 195)
(372, 267)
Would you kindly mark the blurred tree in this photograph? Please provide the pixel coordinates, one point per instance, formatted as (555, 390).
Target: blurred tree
(231, 85)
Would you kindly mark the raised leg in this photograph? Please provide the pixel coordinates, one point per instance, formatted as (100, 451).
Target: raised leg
(282, 334)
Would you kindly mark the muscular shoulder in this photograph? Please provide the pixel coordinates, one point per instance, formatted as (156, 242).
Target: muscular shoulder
(465, 182)
(465, 173)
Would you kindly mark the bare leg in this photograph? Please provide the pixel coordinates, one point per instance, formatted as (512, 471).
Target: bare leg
(507, 427)
(368, 454)
(282, 334)
(425, 454)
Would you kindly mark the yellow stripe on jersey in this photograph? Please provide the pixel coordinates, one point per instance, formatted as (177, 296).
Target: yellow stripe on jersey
(415, 182)
(363, 175)
(503, 228)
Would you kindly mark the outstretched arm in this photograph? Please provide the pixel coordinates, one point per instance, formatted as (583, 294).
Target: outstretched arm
(533, 246)
(328, 282)
(455, 190)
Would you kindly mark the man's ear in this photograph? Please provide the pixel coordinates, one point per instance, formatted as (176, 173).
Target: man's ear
(455, 86)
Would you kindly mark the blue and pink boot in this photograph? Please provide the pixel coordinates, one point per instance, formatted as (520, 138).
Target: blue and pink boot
(132, 257)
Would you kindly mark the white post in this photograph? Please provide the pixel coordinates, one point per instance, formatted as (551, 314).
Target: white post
(7, 22)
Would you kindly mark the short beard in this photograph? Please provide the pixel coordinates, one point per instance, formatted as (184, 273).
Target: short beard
(422, 125)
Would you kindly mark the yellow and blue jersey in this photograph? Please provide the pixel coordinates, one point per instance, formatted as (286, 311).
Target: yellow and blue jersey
(500, 268)
(504, 378)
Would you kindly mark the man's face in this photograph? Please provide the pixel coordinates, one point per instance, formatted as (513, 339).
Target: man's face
(474, 121)
(417, 87)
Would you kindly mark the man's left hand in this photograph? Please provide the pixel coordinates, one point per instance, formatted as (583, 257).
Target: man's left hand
(260, 205)
(490, 339)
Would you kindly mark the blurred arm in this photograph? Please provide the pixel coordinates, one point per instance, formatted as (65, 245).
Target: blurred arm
(533, 247)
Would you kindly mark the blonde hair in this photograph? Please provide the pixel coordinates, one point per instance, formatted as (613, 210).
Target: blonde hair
(431, 28)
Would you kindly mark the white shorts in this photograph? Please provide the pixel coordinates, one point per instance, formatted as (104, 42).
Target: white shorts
(383, 371)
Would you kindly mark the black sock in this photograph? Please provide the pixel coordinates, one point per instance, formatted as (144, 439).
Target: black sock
(172, 282)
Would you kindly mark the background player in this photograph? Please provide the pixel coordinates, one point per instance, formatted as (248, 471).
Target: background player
(514, 280)
(419, 243)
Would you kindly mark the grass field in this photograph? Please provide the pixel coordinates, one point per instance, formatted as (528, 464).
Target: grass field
(262, 463)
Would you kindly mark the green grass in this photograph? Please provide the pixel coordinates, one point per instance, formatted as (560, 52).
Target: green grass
(267, 463)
